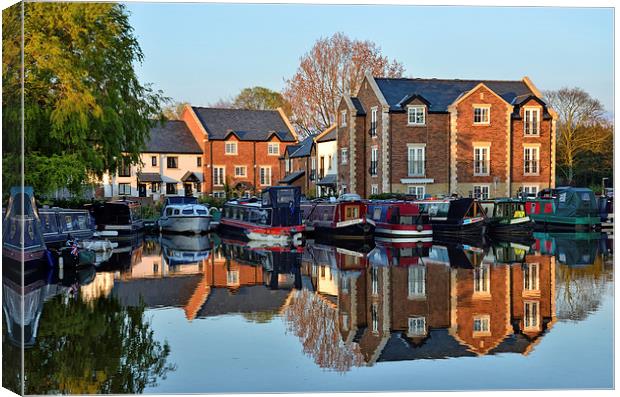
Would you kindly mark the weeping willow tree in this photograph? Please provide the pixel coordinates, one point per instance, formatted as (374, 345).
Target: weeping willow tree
(83, 103)
(315, 323)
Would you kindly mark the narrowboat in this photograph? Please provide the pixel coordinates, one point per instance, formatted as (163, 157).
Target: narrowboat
(276, 217)
(577, 249)
(23, 245)
(456, 217)
(400, 253)
(399, 221)
(184, 215)
(60, 225)
(120, 216)
(507, 217)
(564, 207)
(344, 218)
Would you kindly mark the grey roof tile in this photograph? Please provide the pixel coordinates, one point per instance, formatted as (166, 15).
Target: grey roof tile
(247, 125)
(305, 148)
(292, 177)
(358, 106)
(172, 136)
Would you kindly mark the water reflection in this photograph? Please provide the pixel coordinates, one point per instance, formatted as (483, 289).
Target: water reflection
(347, 306)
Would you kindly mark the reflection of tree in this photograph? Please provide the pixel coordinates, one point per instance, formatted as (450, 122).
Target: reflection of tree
(316, 324)
(260, 317)
(580, 289)
(92, 347)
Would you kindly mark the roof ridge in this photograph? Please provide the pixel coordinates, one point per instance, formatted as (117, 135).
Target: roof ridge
(444, 79)
(247, 110)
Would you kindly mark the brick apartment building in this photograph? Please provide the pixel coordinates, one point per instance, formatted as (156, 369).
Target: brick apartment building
(299, 165)
(437, 137)
(241, 148)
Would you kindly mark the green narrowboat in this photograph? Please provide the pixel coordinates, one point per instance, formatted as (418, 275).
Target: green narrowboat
(506, 216)
(564, 207)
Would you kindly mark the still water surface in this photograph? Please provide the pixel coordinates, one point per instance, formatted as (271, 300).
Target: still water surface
(179, 314)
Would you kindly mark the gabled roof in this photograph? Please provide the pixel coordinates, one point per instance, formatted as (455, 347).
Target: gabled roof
(441, 93)
(292, 177)
(439, 344)
(257, 298)
(247, 125)
(330, 134)
(172, 136)
(304, 149)
(358, 106)
(149, 177)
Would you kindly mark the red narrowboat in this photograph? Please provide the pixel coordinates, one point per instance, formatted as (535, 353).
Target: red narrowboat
(399, 221)
(344, 218)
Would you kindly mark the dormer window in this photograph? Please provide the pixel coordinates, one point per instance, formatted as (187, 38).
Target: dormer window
(416, 115)
(343, 118)
(231, 148)
(482, 114)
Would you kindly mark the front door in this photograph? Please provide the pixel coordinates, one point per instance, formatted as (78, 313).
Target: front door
(188, 189)
(142, 189)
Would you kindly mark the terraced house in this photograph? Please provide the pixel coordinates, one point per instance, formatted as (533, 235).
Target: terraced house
(481, 138)
(241, 149)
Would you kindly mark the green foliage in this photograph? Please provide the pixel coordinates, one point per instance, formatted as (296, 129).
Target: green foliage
(82, 98)
(261, 98)
(152, 211)
(212, 201)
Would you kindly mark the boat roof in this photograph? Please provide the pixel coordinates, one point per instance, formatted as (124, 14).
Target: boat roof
(181, 200)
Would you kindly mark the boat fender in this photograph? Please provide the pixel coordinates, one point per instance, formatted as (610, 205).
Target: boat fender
(297, 239)
(419, 227)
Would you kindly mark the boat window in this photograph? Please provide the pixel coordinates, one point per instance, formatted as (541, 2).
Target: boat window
(264, 217)
(376, 213)
(286, 196)
(188, 211)
(266, 199)
(168, 211)
(176, 212)
(201, 211)
(48, 221)
(351, 212)
(68, 222)
(246, 214)
(436, 209)
(82, 222)
(500, 210)
(406, 220)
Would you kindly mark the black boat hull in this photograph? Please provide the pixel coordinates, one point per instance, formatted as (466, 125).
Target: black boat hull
(358, 231)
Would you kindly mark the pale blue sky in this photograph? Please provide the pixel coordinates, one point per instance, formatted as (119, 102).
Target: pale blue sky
(202, 52)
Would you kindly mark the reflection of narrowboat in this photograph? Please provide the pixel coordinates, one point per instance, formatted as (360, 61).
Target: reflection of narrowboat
(275, 218)
(462, 216)
(507, 217)
(60, 225)
(400, 221)
(400, 253)
(22, 219)
(121, 216)
(565, 207)
(572, 249)
(341, 219)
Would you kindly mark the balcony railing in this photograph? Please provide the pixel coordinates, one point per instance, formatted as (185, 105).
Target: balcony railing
(530, 167)
(373, 128)
(482, 167)
(373, 168)
(416, 168)
(312, 175)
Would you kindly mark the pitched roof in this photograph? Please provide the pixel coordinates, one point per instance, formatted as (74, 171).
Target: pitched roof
(441, 93)
(247, 125)
(304, 149)
(172, 136)
(156, 292)
(249, 299)
(439, 344)
(292, 177)
(331, 134)
(358, 106)
(149, 177)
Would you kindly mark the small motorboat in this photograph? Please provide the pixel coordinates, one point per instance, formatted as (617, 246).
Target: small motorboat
(184, 215)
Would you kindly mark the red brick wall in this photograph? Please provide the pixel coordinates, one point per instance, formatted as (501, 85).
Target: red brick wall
(519, 138)
(361, 168)
(435, 134)
(495, 133)
(369, 100)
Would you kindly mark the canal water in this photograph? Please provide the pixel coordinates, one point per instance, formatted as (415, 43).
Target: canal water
(178, 314)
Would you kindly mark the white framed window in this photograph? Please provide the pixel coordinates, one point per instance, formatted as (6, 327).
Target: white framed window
(417, 190)
(230, 148)
(374, 317)
(482, 280)
(531, 160)
(241, 171)
(482, 325)
(416, 326)
(416, 115)
(531, 276)
(219, 194)
(344, 155)
(124, 189)
(530, 189)
(219, 176)
(343, 188)
(232, 277)
(482, 114)
(415, 160)
(531, 121)
(374, 280)
(416, 282)
(329, 162)
(345, 321)
(373, 122)
(374, 189)
(374, 160)
(265, 176)
(343, 118)
(481, 160)
(531, 315)
(481, 192)
(273, 149)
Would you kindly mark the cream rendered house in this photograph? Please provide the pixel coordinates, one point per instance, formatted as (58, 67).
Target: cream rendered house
(171, 166)
(327, 161)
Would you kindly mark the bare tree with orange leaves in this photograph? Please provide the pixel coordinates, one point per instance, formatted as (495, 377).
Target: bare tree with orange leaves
(334, 67)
